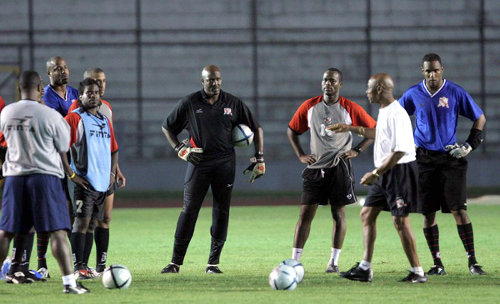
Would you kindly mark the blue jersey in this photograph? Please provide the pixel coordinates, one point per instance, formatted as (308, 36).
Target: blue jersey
(436, 115)
(53, 100)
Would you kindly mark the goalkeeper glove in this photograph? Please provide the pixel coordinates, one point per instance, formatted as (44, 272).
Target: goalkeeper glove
(459, 151)
(257, 168)
(187, 153)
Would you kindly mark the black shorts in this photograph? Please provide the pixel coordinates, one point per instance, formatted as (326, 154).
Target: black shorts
(442, 181)
(112, 189)
(329, 185)
(396, 190)
(89, 203)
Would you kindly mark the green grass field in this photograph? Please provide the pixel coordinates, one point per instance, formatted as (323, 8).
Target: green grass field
(259, 239)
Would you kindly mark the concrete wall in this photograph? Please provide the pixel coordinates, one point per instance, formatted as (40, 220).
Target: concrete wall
(273, 61)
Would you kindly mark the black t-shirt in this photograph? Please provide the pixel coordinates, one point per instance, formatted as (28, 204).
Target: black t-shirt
(210, 126)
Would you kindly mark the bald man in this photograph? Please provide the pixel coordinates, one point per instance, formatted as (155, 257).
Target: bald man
(58, 94)
(209, 116)
(393, 181)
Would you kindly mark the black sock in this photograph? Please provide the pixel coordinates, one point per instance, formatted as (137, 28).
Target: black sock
(467, 236)
(89, 242)
(432, 236)
(42, 243)
(77, 247)
(23, 244)
(101, 243)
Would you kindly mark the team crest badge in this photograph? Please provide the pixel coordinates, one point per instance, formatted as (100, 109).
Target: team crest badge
(443, 102)
(400, 203)
(227, 111)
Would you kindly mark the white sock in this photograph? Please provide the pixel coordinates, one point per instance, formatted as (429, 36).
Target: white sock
(69, 280)
(296, 253)
(334, 258)
(418, 270)
(365, 265)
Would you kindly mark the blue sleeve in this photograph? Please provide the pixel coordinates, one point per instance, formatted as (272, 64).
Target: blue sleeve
(406, 101)
(52, 104)
(467, 106)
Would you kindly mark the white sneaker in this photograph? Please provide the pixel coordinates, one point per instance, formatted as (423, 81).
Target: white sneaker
(5, 268)
(93, 273)
(79, 289)
(44, 272)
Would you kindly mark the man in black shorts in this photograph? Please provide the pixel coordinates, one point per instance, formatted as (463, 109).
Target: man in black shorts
(328, 176)
(394, 179)
(436, 104)
(209, 116)
(94, 155)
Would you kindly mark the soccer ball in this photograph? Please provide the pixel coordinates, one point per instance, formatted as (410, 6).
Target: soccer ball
(299, 268)
(116, 276)
(283, 277)
(242, 136)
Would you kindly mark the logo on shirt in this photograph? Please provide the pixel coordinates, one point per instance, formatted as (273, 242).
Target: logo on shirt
(328, 120)
(100, 126)
(199, 111)
(227, 111)
(20, 125)
(443, 102)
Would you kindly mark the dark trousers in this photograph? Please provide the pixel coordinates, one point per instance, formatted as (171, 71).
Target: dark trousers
(219, 175)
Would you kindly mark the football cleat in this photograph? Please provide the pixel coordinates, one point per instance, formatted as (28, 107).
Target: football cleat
(171, 268)
(79, 289)
(356, 273)
(34, 276)
(17, 278)
(213, 269)
(92, 272)
(436, 270)
(83, 274)
(5, 268)
(44, 272)
(476, 269)
(415, 278)
(332, 268)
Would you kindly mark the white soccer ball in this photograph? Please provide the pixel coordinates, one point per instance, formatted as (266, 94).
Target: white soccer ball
(283, 277)
(116, 276)
(299, 268)
(242, 136)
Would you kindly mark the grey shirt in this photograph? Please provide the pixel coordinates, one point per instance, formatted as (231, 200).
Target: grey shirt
(35, 136)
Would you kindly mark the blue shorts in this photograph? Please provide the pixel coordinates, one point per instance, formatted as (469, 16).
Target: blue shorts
(34, 200)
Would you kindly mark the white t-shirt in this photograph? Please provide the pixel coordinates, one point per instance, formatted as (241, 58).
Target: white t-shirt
(394, 133)
(35, 135)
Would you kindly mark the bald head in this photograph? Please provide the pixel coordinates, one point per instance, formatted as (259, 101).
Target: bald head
(58, 71)
(211, 80)
(209, 69)
(91, 72)
(52, 61)
(380, 88)
(383, 80)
